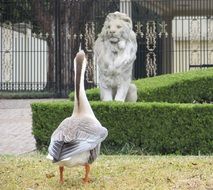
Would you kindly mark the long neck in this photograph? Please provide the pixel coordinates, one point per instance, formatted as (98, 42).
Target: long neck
(81, 105)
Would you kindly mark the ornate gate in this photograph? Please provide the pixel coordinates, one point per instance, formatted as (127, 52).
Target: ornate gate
(7, 52)
(79, 29)
(173, 36)
(26, 48)
(152, 34)
(39, 39)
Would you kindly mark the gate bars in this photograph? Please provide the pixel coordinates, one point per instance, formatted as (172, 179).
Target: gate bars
(39, 39)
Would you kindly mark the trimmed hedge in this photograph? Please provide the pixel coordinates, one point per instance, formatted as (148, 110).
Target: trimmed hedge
(154, 128)
(180, 88)
(93, 94)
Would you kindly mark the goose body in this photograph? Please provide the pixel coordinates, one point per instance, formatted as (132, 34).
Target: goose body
(76, 141)
(78, 138)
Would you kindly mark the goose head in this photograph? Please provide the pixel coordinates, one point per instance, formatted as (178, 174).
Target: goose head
(80, 64)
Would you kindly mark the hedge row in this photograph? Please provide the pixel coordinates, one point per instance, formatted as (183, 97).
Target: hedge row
(154, 128)
(180, 88)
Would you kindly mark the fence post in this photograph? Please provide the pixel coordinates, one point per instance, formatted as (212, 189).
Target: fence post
(57, 48)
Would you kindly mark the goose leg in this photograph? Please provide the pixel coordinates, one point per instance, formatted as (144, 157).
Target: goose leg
(61, 169)
(87, 170)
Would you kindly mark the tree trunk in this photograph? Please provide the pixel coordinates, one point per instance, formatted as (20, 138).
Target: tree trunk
(45, 20)
(71, 19)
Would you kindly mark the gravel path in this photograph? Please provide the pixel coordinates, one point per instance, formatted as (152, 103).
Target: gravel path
(16, 126)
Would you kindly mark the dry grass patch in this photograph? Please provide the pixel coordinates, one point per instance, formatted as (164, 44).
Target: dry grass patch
(31, 172)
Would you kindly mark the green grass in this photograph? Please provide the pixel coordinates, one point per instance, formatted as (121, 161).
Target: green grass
(110, 172)
(26, 94)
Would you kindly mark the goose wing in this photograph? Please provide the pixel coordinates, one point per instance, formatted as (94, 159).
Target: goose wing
(75, 136)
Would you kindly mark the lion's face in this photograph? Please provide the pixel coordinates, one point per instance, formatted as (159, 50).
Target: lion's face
(117, 27)
(115, 30)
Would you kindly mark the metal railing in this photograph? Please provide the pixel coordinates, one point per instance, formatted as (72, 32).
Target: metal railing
(39, 39)
(23, 58)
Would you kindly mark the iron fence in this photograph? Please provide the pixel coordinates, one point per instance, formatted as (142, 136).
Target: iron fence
(24, 60)
(173, 36)
(24, 49)
(39, 39)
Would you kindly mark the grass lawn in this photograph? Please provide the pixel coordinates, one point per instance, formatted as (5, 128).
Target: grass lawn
(33, 171)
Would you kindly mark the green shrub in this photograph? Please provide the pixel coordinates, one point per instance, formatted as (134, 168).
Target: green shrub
(179, 88)
(46, 117)
(93, 94)
(154, 128)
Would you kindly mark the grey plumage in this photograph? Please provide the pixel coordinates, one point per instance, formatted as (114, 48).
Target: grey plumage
(76, 135)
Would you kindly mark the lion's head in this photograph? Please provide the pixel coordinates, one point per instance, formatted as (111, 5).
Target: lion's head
(117, 26)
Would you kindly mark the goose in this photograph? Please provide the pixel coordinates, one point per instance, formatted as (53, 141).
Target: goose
(78, 138)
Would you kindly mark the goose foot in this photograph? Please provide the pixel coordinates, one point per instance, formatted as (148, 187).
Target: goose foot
(87, 170)
(61, 169)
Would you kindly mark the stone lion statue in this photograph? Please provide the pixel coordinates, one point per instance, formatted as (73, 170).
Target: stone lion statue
(115, 51)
